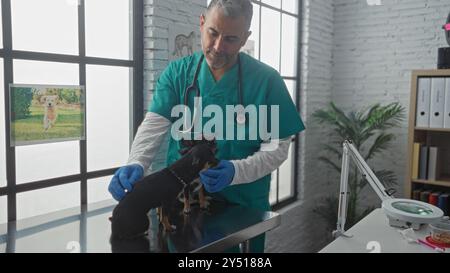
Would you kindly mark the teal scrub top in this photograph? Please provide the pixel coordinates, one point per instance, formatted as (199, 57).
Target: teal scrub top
(261, 85)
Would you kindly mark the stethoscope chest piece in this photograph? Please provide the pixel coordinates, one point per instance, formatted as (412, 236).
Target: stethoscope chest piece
(240, 118)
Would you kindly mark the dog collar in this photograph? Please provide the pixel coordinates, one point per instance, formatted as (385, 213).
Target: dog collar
(177, 177)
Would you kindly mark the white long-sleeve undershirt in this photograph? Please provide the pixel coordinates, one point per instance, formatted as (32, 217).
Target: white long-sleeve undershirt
(149, 139)
(269, 157)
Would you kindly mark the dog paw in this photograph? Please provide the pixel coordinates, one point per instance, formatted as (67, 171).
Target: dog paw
(187, 211)
(204, 205)
(170, 228)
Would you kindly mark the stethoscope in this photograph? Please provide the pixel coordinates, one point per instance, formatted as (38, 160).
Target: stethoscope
(240, 116)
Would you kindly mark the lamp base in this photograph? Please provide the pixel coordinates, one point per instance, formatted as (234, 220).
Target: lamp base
(393, 222)
(444, 58)
(338, 233)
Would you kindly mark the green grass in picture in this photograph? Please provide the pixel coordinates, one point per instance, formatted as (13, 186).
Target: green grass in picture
(68, 125)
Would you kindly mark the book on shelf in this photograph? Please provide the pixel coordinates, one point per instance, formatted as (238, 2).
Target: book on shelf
(423, 102)
(447, 104)
(433, 164)
(437, 198)
(415, 164)
(423, 162)
(434, 198)
(437, 103)
(425, 196)
(443, 203)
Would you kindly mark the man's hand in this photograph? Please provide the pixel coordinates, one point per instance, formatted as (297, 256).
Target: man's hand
(123, 179)
(217, 178)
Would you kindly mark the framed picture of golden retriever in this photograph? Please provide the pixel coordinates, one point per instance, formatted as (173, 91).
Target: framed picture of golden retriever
(46, 113)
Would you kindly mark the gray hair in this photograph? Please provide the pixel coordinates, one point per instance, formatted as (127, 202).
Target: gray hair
(234, 9)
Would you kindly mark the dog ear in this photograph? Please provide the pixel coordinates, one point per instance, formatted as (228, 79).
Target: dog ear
(186, 146)
(187, 143)
(42, 99)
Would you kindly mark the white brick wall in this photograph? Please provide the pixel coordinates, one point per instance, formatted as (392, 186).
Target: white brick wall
(375, 49)
(356, 55)
(158, 15)
(316, 93)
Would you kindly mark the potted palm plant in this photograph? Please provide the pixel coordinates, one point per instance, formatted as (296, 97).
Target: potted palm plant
(368, 129)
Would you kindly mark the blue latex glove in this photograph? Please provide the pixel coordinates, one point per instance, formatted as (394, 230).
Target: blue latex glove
(217, 178)
(123, 179)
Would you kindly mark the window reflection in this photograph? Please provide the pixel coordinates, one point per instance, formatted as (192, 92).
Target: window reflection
(270, 38)
(286, 172)
(290, 6)
(46, 161)
(108, 33)
(2, 131)
(98, 189)
(45, 26)
(252, 46)
(108, 116)
(273, 3)
(289, 46)
(273, 188)
(47, 200)
(3, 210)
(36, 72)
(1, 28)
(291, 85)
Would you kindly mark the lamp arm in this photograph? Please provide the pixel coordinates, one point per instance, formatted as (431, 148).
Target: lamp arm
(350, 150)
(368, 174)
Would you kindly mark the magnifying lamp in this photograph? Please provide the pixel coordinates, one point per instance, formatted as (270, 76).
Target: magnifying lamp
(405, 213)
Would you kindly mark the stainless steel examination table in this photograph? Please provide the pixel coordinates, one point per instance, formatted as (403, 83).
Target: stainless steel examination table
(87, 229)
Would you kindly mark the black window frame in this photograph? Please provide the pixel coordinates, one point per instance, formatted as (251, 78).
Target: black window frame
(8, 54)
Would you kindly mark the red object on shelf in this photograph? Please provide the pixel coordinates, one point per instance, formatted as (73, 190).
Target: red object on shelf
(431, 241)
(433, 199)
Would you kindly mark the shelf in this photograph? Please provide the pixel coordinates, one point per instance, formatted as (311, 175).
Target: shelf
(445, 182)
(431, 73)
(432, 129)
(438, 137)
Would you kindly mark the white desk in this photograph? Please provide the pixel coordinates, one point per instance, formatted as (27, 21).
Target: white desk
(373, 233)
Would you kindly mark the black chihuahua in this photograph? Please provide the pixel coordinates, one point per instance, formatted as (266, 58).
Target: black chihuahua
(129, 219)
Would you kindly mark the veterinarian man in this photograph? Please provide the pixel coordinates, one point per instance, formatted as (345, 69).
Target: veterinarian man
(243, 174)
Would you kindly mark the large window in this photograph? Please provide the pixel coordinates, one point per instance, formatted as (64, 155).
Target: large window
(94, 43)
(274, 41)
(2, 137)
